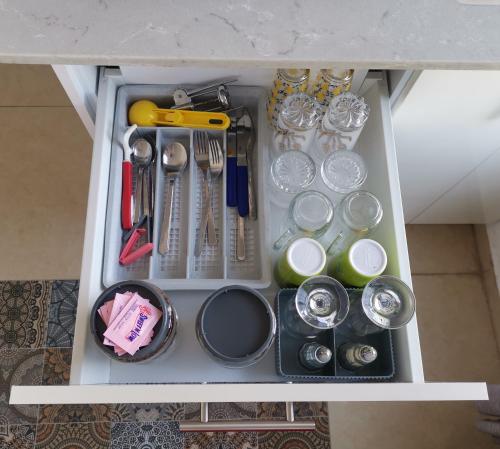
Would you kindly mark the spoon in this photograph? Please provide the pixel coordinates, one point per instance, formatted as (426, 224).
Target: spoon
(142, 155)
(174, 159)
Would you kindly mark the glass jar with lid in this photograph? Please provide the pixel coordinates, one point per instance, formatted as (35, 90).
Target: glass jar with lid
(297, 123)
(343, 122)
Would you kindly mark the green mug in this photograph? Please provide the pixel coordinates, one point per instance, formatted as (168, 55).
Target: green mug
(302, 259)
(359, 264)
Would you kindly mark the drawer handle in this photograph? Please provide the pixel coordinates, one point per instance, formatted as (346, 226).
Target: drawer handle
(246, 425)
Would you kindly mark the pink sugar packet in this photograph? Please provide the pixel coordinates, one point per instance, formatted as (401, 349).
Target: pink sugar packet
(120, 351)
(105, 310)
(120, 301)
(132, 326)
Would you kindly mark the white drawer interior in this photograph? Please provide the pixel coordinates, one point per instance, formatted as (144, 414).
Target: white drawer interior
(94, 375)
(188, 362)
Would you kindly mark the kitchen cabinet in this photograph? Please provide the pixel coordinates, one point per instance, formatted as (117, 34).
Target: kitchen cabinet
(446, 130)
(188, 375)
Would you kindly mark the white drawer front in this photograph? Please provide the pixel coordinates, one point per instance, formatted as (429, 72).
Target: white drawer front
(95, 379)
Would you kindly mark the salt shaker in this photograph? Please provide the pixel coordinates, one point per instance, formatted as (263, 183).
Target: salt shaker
(314, 356)
(342, 123)
(297, 123)
(353, 356)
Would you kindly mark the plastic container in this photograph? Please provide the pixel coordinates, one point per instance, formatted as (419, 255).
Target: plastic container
(236, 326)
(164, 330)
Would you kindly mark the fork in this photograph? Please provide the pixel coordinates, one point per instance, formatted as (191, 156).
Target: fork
(201, 156)
(216, 159)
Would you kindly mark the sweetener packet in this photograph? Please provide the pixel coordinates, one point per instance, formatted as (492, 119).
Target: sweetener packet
(120, 351)
(132, 326)
(120, 301)
(105, 310)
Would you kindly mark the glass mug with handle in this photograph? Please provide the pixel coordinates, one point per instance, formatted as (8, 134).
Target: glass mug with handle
(310, 215)
(357, 216)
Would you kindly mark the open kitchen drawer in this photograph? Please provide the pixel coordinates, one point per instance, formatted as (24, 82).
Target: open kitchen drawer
(188, 375)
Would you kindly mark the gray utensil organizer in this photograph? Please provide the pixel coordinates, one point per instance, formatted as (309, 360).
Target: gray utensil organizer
(179, 268)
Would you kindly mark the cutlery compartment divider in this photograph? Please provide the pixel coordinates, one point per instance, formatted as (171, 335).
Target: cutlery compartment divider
(210, 264)
(174, 264)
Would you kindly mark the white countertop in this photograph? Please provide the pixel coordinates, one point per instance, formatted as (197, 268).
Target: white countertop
(369, 33)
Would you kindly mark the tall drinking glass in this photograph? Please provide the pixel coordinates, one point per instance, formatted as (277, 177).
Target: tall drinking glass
(297, 122)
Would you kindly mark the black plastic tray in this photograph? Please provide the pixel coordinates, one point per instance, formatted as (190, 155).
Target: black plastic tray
(288, 346)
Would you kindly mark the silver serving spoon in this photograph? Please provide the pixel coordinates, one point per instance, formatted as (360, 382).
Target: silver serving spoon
(142, 155)
(174, 159)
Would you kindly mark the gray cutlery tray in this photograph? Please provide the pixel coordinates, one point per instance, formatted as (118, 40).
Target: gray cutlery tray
(287, 349)
(217, 266)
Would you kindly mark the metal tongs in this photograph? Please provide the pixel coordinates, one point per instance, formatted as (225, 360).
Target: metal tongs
(215, 97)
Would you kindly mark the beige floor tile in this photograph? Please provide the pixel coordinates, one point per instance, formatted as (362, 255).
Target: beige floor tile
(43, 192)
(456, 333)
(483, 247)
(30, 85)
(407, 426)
(490, 286)
(442, 249)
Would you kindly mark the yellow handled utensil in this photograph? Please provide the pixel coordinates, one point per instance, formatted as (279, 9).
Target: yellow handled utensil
(147, 113)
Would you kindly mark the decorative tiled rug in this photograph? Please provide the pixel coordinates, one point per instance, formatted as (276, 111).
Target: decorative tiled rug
(36, 336)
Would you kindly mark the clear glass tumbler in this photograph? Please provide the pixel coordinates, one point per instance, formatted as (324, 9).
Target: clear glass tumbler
(342, 123)
(297, 123)
(310, 214)
(386, 303)
(343, 171)
(321, 303)
(293, 171)
(357, 215)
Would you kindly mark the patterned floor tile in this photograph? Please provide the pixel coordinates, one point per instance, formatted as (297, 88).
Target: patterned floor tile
(277, 410)
(222, 410)
(319, 439)
(57, 366)
(311, 409)
(149, 435)
(19, 367)
(23, 313)
(76, 413)
(73, 436)
(17, 437)
(62, 313)
(148, 412)
(217, 440)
